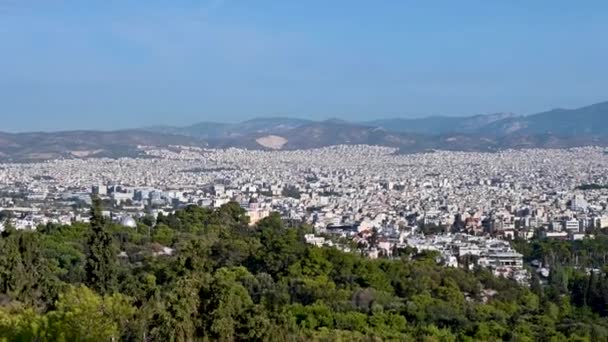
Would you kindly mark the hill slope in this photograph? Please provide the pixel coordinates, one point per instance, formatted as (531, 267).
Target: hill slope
(558, 128)
(439, 124)
(216, 130)
(591, 120)
(78, 144)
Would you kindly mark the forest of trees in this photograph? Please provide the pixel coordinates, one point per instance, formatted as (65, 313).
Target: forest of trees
(224, 280)
(578, 269)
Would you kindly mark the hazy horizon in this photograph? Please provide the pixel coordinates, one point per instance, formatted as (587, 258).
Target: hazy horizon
(127, 64)
(362, 122)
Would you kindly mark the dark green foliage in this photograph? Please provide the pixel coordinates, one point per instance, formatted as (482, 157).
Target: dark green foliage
(579, 253)
(231, 282)
(591, 187)
(291, 191)
(100, 267)
(25, 274)
(577, 271)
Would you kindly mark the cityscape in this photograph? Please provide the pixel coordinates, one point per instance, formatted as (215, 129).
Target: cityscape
(456, 203)
(303, 171)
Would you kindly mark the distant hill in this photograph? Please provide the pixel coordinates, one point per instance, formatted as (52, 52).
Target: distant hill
(202, 130)
(439, 124)
(215, 130)
(332, 132)
(82, 144)
(558, 128)
(586, 121)
(327, 133)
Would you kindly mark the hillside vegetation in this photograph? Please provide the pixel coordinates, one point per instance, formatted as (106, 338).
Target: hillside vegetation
(203, 274)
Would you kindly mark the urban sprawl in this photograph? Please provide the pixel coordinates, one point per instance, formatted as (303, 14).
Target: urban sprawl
(465, 206)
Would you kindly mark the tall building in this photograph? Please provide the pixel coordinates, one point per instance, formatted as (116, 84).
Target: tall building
(578, 203)
(99, 190)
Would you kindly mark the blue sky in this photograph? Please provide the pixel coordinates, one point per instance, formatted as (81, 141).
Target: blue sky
(69, 64)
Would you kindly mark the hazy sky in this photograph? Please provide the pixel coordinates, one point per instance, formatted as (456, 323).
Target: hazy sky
(123, 63)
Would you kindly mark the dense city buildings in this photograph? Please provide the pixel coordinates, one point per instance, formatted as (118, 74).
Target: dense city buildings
(455, 203)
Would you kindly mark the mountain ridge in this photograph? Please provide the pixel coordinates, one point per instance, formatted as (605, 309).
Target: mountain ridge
(439, 124)
(557, 128)
(588, 120)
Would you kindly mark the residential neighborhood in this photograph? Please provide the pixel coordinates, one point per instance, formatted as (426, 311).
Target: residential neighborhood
(454, 203)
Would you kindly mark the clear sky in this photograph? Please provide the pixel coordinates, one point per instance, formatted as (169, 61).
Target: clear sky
(67, 64)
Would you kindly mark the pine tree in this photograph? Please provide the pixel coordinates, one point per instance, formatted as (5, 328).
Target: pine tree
(536, 287)
(604, 295)
(594, 296)
(101, 255)
(25, 273)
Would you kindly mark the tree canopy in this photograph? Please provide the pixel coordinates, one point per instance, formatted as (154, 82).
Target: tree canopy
(224, 280)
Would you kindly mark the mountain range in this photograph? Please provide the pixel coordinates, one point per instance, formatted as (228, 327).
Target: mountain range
(558, 128)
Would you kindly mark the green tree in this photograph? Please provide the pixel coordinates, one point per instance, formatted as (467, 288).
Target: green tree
(163, 235)
(25, 273)
(18, 323)
(82, 315)
(227, 303)
(101, 264)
